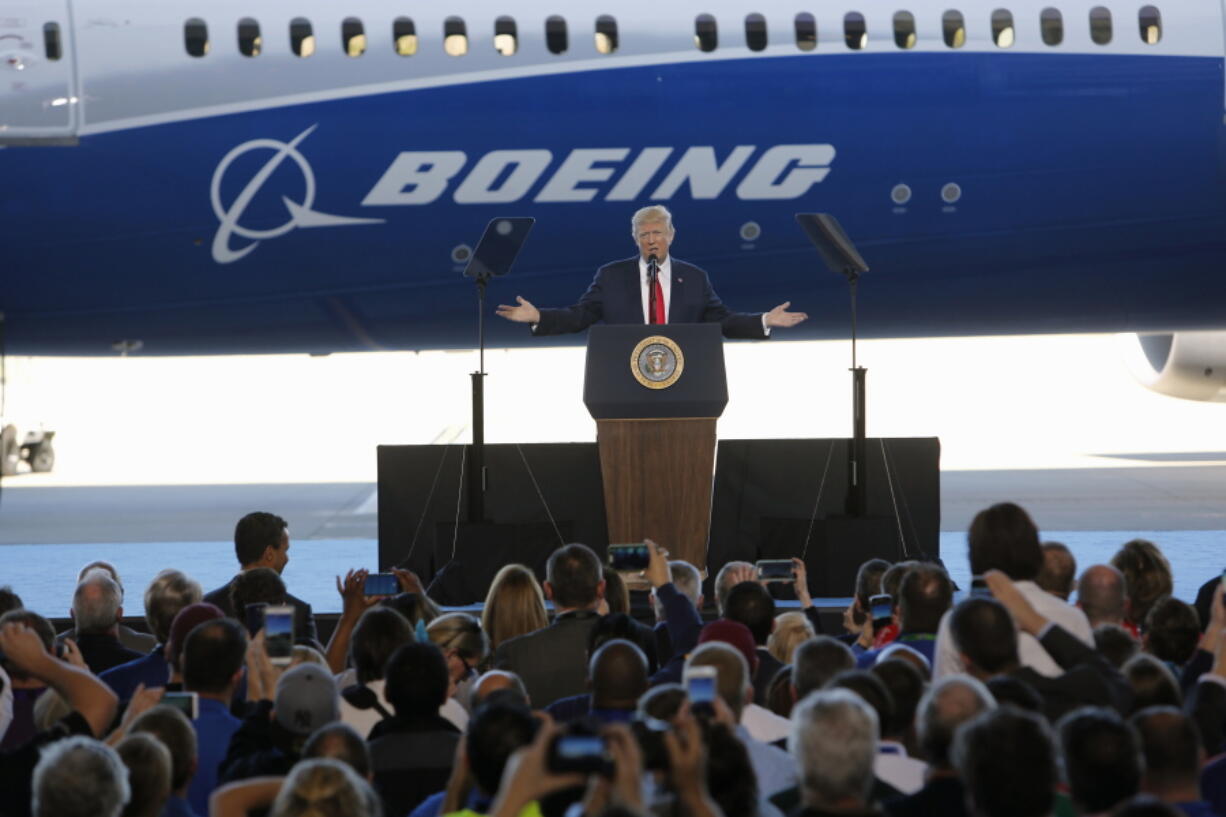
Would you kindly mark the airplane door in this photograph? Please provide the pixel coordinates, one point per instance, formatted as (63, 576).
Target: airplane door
(38, 95)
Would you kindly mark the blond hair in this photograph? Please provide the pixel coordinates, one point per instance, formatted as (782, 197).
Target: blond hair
(460, 632)
(645, 215)
(323, 787)
(791, 630)
(514, 605)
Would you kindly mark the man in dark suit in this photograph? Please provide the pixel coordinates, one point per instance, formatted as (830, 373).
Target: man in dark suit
(262, 540)
(627, 292)
(553, 661)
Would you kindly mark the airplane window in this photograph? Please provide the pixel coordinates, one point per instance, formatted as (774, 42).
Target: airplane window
(806, 31)
(506, 36)
(1002, 28)
(1151, 25)
(1100, 25)
(196, 37)
(904, 29)
(855, 31)
(404, 36)
(301, 37)
(706, 33)
(606, 34)
(555, 35)
(249, 42)
(51, 41)
(954, 27)
(1052, 24)
(455, 37)
(353, 37)
(755, 32)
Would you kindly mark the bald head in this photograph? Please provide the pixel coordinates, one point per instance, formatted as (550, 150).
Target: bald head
(497, 680)
(1101, 595)
(619, 675)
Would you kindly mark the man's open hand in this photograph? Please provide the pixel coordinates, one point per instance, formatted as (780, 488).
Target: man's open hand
(524, 313)
(780, 316)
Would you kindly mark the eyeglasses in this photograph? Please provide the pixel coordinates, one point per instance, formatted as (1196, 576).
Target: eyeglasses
(651, 234)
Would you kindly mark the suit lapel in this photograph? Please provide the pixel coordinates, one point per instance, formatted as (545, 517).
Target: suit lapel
(678, 297)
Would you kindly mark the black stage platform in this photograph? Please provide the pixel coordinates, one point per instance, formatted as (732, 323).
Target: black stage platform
(772, 499)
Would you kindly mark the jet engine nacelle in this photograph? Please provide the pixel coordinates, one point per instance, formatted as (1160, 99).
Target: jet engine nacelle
(1191, 365)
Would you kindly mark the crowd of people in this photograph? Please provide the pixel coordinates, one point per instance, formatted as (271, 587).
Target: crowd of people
(557, 702)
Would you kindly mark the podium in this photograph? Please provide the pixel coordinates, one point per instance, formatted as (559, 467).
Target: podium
(656, 393)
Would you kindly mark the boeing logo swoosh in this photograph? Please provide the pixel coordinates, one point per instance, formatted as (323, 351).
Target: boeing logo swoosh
(301, 214)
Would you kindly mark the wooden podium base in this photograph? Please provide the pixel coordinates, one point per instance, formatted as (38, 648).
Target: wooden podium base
(658, 481)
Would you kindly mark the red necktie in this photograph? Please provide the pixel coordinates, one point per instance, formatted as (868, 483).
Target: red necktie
(658, 315)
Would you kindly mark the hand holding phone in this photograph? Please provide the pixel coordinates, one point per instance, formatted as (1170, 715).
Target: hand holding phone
(979, 588)
(881, 607)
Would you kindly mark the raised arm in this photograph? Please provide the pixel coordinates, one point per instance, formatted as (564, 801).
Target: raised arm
(83, 691)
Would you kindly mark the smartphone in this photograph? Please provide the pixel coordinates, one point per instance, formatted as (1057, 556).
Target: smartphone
(628, 557)
(775, 570)
(881, 607)
(382, 584)
(700, 686)
(979, 588)
(254, 616)
(585, 754)
(279, 633)
(186, 702)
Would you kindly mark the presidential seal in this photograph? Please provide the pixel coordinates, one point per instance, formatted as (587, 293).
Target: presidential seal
(657, 362)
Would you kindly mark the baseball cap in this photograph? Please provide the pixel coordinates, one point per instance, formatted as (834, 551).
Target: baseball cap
(186, 621)
(306, 699)
(736, 635)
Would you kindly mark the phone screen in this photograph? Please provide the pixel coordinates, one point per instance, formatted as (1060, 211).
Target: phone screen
(701, 689)
(575, 747)
(775, 569)
(279, 633)
(382, 584)
(882, 608)
(185, 702)
(628, 557)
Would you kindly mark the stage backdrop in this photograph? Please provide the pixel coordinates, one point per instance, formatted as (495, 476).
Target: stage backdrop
(540, 495)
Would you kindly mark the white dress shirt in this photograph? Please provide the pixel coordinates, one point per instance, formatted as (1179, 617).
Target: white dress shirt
(665, 276)
(1029, 651)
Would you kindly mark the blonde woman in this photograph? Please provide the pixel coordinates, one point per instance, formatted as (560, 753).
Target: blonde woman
(791, 630)
(465, 647)
(514, 606)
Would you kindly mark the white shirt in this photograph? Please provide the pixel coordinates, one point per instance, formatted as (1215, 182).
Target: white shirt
(763, 724)
(664, 274)
(894, 766)
(363, 720)
(1029, 651)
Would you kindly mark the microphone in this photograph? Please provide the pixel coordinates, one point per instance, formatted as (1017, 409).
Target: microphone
(653, 268)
